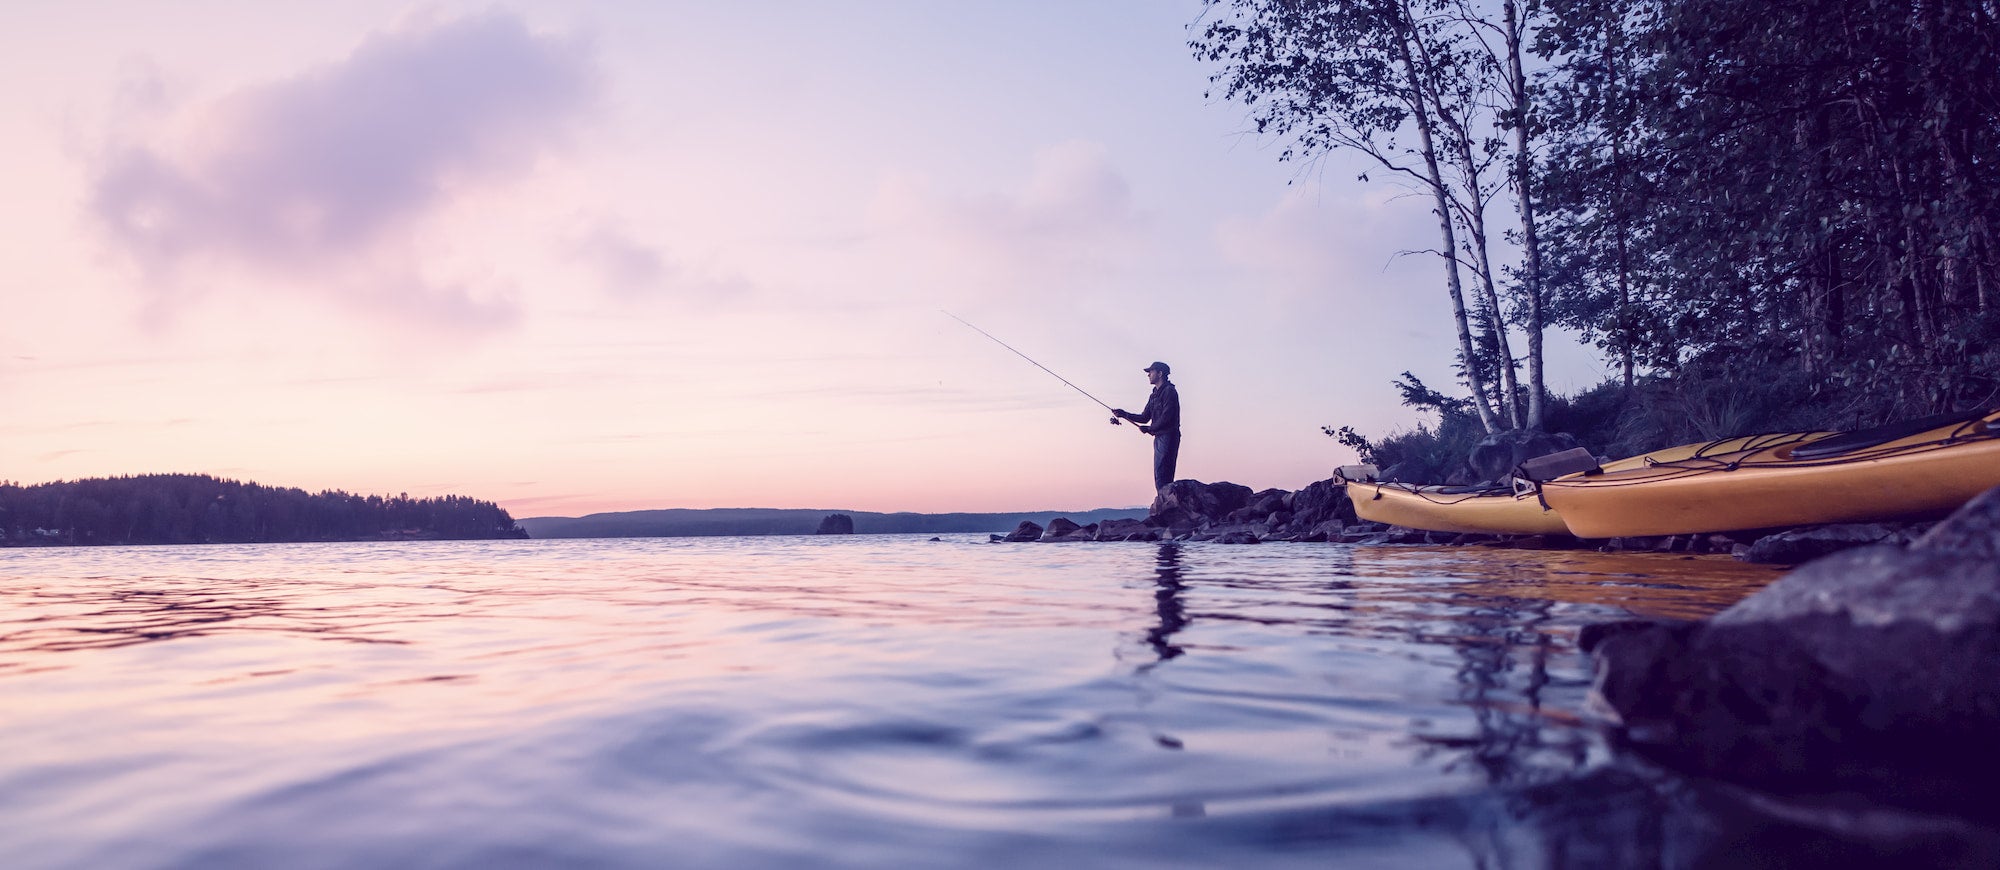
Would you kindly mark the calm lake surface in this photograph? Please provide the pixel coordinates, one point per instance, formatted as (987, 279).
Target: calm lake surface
(865, 701)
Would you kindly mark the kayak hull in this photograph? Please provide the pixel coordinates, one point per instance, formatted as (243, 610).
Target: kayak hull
(1431, 509)
(1923, 475)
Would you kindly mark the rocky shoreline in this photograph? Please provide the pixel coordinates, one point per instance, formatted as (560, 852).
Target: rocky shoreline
(1867, 673)
(1230, 513)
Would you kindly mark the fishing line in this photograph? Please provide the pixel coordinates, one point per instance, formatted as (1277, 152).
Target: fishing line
(1024, 356)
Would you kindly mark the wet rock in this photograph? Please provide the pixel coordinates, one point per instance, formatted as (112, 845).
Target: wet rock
(1063, 530)
(1870, 670)
(1321, 501)
(1793, 546)
(1390, 535)
(1238, 536)
(1324, 531)
(1354, 533)
(836, 524)
(1494, 457)
(1973, 530)
(1193, 504)
(1028, 530)
(1259, 507)
(1126, 530)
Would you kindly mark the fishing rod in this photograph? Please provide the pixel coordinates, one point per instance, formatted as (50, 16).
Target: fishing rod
(968, 323)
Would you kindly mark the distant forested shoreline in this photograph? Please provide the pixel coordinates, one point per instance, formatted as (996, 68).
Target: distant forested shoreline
(687, 523)
(199, 509)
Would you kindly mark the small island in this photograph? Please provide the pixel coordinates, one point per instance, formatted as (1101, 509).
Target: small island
(199, 509)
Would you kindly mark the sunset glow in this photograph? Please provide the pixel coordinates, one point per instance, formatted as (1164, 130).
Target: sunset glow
(612, 256)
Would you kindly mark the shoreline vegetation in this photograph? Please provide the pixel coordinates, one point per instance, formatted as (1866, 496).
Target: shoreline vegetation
(1780, 216)
(1774, 216)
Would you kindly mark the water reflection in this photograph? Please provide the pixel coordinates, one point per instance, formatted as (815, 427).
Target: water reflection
(1167, 605)
(70, 620)
(1552, 791)
(1504, 652)
(845, 703)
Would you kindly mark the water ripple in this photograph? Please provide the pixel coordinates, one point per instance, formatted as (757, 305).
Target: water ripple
(838, 702)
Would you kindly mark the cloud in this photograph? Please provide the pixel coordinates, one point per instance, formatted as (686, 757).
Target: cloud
(323, 180)
(1073, 216)
(630, 268)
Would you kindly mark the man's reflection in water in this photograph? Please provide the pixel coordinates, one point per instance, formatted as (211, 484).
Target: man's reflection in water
(1167, 591)
(1172, 617)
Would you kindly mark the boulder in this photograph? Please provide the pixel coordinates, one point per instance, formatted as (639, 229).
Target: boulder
(1494, 457)
(1868, 671)
(836, 524)
(1320, 502)
(1126, 530)
(1971, 530)
(1328, 530)
(1028, 530)
(1063, 530)
(1192, 504)
(1793, 546)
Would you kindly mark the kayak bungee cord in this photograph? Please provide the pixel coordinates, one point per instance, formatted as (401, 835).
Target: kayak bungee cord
(1656, 471)
(1720, 455)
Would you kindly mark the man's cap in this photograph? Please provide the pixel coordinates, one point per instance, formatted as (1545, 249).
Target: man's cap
(1161, 367)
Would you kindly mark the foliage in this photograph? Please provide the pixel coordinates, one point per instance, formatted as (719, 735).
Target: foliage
(1805, 186)
(1701, 402)
(1729, 199)
(1428, 454)
(198, 509)
(1425, 453)
(1352, 440)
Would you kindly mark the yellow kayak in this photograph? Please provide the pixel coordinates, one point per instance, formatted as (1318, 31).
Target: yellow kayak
(1500, 510)
(1905, 471)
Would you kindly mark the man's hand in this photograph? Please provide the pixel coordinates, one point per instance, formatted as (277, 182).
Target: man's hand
(1120, 412)
(1146, 429)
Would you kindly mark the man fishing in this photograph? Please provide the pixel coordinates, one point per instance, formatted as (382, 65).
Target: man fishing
(1162, 420)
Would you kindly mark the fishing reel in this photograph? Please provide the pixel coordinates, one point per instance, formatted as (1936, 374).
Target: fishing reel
(1115, 421)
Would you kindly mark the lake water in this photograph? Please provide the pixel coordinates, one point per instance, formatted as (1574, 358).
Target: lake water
(866, 701)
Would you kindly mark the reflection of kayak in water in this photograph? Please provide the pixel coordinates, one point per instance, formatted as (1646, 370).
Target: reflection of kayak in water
(1504, 510)
(1909, 470)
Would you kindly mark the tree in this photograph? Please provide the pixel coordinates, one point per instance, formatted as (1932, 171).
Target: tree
(1424, 88)
(1802, 184)
(179, 509)
(1356, 74)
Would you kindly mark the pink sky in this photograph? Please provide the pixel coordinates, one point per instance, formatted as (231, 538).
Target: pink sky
(575, 257)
